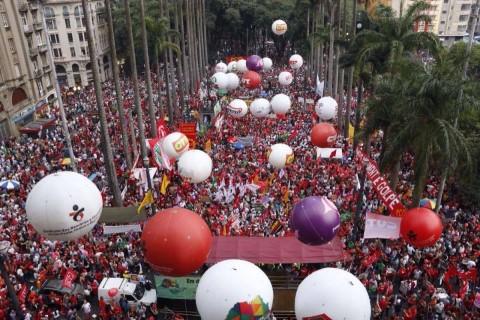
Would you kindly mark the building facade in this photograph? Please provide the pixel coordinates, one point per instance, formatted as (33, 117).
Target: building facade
(26, 81)
(67, 33)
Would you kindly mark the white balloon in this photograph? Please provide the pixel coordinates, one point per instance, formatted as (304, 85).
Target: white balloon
(242, 66)
(232, 66)
(237, 108)
(195, 165)
(260, 108)
(267, 64)
(285, 78)
(280, 103)
(233, 81)
(334, 292)
(326, 108)
(280, 155)
(175, 144)
(220, 80)
(279, 27)
(64, 206)
(230, 282)
(295, 61)
(221, 67)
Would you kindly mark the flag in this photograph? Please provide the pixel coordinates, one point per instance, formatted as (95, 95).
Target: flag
(378, 226)
(208, 146)
(351, 131)
(164, 185)
(160, 157)
(69, 278)
(162, 129)
(285, 196)
(22, 294)
(320, 87)
(276, 227)
(147, 200)
(219, 122)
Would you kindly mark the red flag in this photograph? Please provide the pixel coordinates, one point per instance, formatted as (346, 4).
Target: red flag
(333, 154)
(162, 129)
(22, 294)
(69, 278)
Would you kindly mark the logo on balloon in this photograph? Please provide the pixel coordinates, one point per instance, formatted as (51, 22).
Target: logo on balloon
(280, 27)
(77, 213)
(234, 110)
(331, 139)
(181, 144)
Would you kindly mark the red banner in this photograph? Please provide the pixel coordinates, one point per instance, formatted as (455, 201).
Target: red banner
(69, 278)
(22, 294)
(190, 130)
(383, 190)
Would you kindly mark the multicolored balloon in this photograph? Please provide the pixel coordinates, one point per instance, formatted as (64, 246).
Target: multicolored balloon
(254, 63)
(421, 227)
(295, 61)
(267, 64)
(175, 144)
(195, 166)
(251, 79)
(260, 108)
(285, 78)
(221, 67)
(237, 108)
(323, 135)
(279, 27)
(280, 103)
(315, 220)
(280, 155)
(326, 108)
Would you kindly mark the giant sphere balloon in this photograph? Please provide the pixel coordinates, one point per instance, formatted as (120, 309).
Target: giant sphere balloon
(326, 108)
(251, 79)
(229, 283)
(267, 64)
(221, 67)
(421, 227)
(220, 80)
(315, 220)
(64, 206)
(232, 66)
(260, 108)
(237, 108)
(280, 155)
(295, 61)
(254, 63)
(333, 293)
(323, 135)
(233, 81)
(175, 144)
(176, 241)
(195, 166)
(279, 27)
(281, 103)
(242, 66)
(285, 78)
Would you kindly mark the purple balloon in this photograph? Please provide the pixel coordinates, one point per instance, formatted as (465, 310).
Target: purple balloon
(254, 63)
(315, 220)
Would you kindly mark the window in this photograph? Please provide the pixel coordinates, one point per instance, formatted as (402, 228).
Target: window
(463, 17)
(11, 44)
(54, 39)
(70, 37)
(445, 1)
(51, 24)
(465, 7)
(84, 52)
(48, 81)
(67, 23)
(35, 65)
(65, 11)
(462, 28)
(78, 12)
(444, 11)
(24, 19)
(40, 86)
(72, 52)
(38, 36)
(57, 53)
(80, 36)
(17, 70)
(4, 20)
(49, 15)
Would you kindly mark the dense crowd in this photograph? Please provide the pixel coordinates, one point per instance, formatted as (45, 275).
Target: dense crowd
(435, 283)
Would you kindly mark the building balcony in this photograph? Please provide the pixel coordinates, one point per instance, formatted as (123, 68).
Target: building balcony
(38, 26)
(33, 52)
(38, 73)
(42, 48)
(47, 68)
(22, 6)
(27, 29)
(33, 5)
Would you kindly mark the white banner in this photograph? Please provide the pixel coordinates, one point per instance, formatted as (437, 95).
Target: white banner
(331, 153)
(382, 227)
(122, 229)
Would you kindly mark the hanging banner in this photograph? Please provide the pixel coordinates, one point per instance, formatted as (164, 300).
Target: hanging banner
(383, 190)
(378, 226)
(126, 228)
(183, 288)
(329, 153)
(190, 130)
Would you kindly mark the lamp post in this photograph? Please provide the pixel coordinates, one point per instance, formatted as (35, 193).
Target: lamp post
(4, 246)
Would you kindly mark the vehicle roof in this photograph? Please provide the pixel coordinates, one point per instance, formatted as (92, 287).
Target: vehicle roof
(108, 283)
(56, 285)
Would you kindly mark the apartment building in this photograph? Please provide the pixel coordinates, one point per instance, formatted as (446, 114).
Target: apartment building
(66, 28)
(26, 81)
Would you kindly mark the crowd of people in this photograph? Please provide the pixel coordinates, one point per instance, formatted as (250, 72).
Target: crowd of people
(440, 282)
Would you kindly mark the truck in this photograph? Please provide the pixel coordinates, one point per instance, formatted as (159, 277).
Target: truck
(112, 289)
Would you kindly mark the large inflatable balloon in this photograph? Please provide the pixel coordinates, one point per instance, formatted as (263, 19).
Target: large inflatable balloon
(221, 67)
(220, 80)
(195, 166)
(176, 241)
(237, 108)
(285, 78)
(260, 108)
(331, 293)
(323, 135)
(251, 79)
(267, 64)
(232, 66)
(254, 63)
(233, 81)
(315, 220)
(281, 103)
(242, 66)
(295, 61)
(279, 27)
(64, 206)
(234, 289)
(175, 144)
(326, 108)
(421, 227)
(280, 155)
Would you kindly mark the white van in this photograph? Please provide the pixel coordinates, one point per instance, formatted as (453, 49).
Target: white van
(111, 289)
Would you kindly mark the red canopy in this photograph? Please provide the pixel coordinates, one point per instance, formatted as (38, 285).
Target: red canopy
(274, 250)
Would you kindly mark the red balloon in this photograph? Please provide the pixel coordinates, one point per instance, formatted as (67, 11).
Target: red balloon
(323, 135)
(421, 227)
(112, 292)
(176, 241)
(251, 79)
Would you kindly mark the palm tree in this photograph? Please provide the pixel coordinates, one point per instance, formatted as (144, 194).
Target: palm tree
(105, 138)
(118, 89)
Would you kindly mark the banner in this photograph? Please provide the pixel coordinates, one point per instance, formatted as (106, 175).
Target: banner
(383, 190)
(183, 288)
(378, 226)
(329, 153)
(247, 141)
(70, 276)
(126, 228)
(22, 294)
(190, 130)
